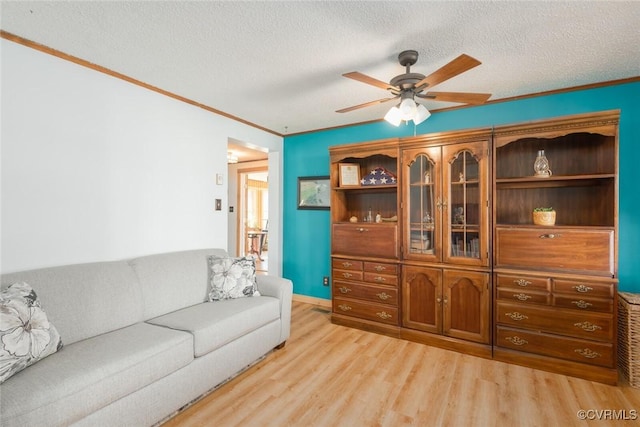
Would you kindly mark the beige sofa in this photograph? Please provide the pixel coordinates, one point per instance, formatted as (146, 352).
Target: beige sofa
(140, 340)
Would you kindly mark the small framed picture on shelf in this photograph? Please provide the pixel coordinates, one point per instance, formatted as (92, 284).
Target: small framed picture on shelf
(349, 174)
(313, 192)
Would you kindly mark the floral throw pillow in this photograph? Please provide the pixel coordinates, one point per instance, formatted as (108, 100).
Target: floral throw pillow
(26, 335)
(232, 278)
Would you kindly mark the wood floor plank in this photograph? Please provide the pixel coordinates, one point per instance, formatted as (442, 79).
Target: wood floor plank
(331, 375)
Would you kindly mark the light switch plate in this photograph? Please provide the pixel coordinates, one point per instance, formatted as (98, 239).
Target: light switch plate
(218, 204)
(219, 179)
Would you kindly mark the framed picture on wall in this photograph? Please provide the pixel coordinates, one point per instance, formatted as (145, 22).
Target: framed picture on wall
(313, 192)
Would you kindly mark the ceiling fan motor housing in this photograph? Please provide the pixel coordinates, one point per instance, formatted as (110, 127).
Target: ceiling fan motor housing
(408, 80)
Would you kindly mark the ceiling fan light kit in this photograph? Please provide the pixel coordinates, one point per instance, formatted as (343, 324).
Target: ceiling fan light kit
(409, 85)
(394, 116)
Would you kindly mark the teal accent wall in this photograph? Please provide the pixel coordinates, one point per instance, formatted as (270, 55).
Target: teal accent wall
(306, 234)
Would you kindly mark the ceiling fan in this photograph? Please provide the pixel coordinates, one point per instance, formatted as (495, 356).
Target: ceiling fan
(410, 85)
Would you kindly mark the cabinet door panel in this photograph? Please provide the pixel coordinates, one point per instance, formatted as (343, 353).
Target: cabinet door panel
(422, 298)
(372, 240)
(465, 203)
(556, 248)
(422, 203)
(466, 305)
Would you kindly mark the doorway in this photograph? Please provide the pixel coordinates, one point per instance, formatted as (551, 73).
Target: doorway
(253, 215)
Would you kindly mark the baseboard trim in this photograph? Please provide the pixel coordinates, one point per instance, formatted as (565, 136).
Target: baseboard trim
(326, 303)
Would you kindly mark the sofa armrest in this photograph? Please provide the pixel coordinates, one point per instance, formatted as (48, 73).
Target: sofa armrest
(281, 288)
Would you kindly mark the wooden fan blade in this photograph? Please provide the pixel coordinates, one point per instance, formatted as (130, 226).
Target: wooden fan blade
(366, 104)
(458, 66)
(369, 80)
(461, 97)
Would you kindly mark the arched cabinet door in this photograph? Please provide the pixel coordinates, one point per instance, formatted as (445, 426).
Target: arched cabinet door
(422, 195)
(466, 305)
(422, 298)
(465, 203)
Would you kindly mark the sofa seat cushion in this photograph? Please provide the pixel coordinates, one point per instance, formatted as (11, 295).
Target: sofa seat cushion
(214, 324)
(90, 374)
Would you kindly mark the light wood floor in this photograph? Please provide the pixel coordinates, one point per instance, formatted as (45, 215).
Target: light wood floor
(329, 375)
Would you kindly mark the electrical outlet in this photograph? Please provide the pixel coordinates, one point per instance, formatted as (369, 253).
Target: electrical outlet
(325, 280)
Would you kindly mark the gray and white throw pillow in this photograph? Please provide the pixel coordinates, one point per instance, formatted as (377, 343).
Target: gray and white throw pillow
(26, 335)
(232, 278)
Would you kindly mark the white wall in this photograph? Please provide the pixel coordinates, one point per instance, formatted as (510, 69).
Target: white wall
(94, 168)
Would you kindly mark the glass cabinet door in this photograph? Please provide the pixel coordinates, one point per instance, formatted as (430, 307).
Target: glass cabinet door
(465, 204)
(422, 217)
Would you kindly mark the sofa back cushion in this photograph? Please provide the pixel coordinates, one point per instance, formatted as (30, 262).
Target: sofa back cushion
(85, 300)
(174, 280)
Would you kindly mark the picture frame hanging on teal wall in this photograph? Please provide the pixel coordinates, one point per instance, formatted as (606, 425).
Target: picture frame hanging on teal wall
(313, 192)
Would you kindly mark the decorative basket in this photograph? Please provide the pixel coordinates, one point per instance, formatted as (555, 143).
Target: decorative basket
(544, 217)
(629, 336)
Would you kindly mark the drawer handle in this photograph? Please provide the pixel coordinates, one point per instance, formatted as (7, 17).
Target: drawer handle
(582, 304)
(344, 307)
(522, 297)
(384, 315)
(380, 268)
(344, 289)
(549, 236)
(346, 275)
(588, 353)
(587, 326)
(383, 296)
(516, 316)
(380, 279)
(583, 288)
(362, 230)
(516, 340)
(346, 264)
(522, 282)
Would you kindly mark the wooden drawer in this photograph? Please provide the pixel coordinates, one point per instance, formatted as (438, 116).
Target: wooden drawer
(371, 240)
(595, 326)
(381, 267)
(347, 274)
(381, 279)
(556, 248)
(365, 310)
(593, 353)
(371, 293)
(584, 288)
(603, 305)
(516, 295)
(346, 264)
(524, 282)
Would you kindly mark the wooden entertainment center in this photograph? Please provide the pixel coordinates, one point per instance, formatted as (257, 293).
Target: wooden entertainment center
(432, 240)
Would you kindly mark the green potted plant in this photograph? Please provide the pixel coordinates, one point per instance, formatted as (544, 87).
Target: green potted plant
(544, 216)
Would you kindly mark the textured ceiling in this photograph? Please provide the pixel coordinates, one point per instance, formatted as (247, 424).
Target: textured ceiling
(279, 64)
